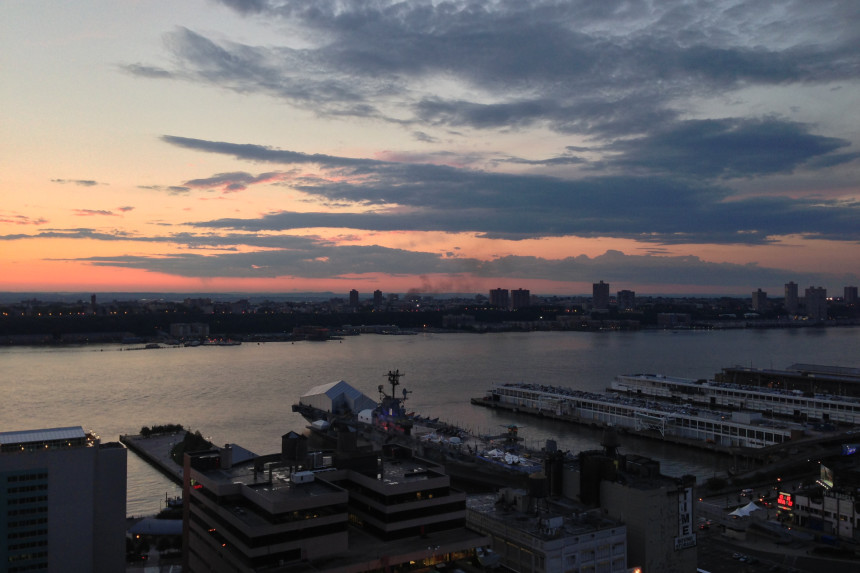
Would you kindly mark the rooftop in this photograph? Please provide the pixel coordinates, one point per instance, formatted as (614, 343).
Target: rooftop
(49, 438)
(547, 519)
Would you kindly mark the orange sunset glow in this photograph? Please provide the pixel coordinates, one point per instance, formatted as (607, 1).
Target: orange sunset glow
(229, 148)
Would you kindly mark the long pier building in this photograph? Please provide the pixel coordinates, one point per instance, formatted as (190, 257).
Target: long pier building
(789, 404)
(730, 429)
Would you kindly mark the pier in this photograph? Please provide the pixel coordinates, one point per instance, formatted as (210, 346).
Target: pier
(155, 450)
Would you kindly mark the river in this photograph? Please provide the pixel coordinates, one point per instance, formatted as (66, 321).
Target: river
(243, 394)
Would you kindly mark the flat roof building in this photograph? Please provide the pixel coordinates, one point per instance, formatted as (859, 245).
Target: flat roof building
(62, 501)
(366, 511)
(500, 298)
(600, 295)
(551, 535)
(657, 510)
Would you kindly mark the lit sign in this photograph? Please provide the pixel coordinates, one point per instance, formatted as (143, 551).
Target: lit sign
(849, 449)
(826, 478)
(785, 501)
(686, 537)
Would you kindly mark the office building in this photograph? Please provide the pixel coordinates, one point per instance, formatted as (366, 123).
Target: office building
(759, 300)
(600, 295)
(520, 298)
(353, 298)
(832, 504)
(626, 300)
(791, 298)
(355, 510)
(62, 502)
(658, 510)
(531, 532)
(850, 296)
(499, 298)
(816, 303)
(377, 298)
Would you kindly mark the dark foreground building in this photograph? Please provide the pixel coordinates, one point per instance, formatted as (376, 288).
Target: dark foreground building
(346, 513)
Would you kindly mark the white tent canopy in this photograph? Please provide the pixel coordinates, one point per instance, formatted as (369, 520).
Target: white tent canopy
(746, 510)
(337, 396)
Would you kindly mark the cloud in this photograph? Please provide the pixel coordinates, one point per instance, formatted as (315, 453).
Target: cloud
(81, 182)
(654, 208)
(169, 189)
(272, 256)
(94, 212)
(145, 71)
(17, 219)
(568, 66)
(728, 148)
(421, 136)
(327, 262)
(232, 182)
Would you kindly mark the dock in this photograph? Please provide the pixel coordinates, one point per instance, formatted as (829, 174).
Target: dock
(155, 450)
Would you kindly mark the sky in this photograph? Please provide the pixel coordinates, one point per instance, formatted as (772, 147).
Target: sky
(689, 147)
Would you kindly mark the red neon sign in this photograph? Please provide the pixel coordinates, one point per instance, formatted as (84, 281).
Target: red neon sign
(785, 500)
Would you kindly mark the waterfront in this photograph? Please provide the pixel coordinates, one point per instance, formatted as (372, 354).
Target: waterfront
(243, 394)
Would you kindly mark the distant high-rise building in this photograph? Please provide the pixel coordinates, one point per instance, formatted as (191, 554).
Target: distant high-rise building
(816, 303)
(600, 295)
(791, 300)
(63, 501)
(377, 297)
(353, 298)
(626, 300)
(499, 298)
(759, 300)
(850, 296)
(520, 298)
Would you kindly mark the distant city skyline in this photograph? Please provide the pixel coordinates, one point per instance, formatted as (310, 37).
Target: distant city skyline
(239, 146)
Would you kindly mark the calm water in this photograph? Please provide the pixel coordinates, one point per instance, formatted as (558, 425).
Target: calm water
(243, 394)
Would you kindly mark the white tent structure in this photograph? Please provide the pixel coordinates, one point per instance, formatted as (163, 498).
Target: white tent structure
(746, 510)
(337, 397)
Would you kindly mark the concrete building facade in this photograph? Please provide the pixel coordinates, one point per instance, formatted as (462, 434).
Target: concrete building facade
(759, 300)
(534, 534)
(850, 295)
(366, 511)
(792, 302)
(626, 300)
(658, 510)
(600, 295)
(499, 298)
(521, 298)
(62, 502)
(816, 303)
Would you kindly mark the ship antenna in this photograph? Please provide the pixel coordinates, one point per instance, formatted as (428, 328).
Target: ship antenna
(394, 380)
